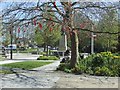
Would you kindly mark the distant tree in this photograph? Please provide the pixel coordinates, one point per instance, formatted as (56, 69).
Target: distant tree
(108, 22)
(48, 37)
(6, 40)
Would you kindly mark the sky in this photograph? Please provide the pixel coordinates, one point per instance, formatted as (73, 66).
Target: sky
(2, 5)
(5, 3)
(58, 0)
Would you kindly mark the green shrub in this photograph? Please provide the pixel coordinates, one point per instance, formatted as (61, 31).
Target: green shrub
(47, 58)
(89, 71)
(101, 64)
(103, 71)
(104, 63)
(78, 69)
(43, 53)
(97, 61)
(64, 67)
(67, 70)
(107, 54)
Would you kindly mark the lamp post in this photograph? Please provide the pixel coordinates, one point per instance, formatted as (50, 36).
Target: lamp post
(11, 35)
(92, 41)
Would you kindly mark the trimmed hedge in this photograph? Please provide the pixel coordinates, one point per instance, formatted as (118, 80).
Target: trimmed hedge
(47, 58)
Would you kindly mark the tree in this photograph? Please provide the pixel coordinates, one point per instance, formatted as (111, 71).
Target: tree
(108, 22)
(64, 15)
(47, 36)
(118, 46)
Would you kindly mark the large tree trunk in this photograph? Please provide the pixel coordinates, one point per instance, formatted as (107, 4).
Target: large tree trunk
(68, 21)
(74, 49)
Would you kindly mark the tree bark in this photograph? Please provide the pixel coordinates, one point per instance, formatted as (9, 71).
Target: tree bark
(74, 49)
(44, 47)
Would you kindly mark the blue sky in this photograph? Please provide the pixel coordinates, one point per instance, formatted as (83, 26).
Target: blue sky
(4, 3)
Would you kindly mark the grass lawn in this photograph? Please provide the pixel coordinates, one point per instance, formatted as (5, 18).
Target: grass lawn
(47, 58)
(1, 58)
(26, 51)
(6, 72)
(27, 65)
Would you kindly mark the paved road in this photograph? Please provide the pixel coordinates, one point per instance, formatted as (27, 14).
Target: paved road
(19, 57)
(23, 56)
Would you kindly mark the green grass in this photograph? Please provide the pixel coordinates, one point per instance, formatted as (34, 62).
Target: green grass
(26, 65)
(47, 58)
(1, 58)
(28, 50)
(6, 72)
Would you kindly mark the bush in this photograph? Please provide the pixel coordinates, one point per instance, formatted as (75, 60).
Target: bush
(78, 69)
(97, 61)
(101, 64)
(104, 71)
(47, 58)
(34, 52)
(104, 63)
(64, 67)
(43, 53)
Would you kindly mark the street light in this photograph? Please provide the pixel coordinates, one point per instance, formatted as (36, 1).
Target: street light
(11, 35)
(92, 41)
